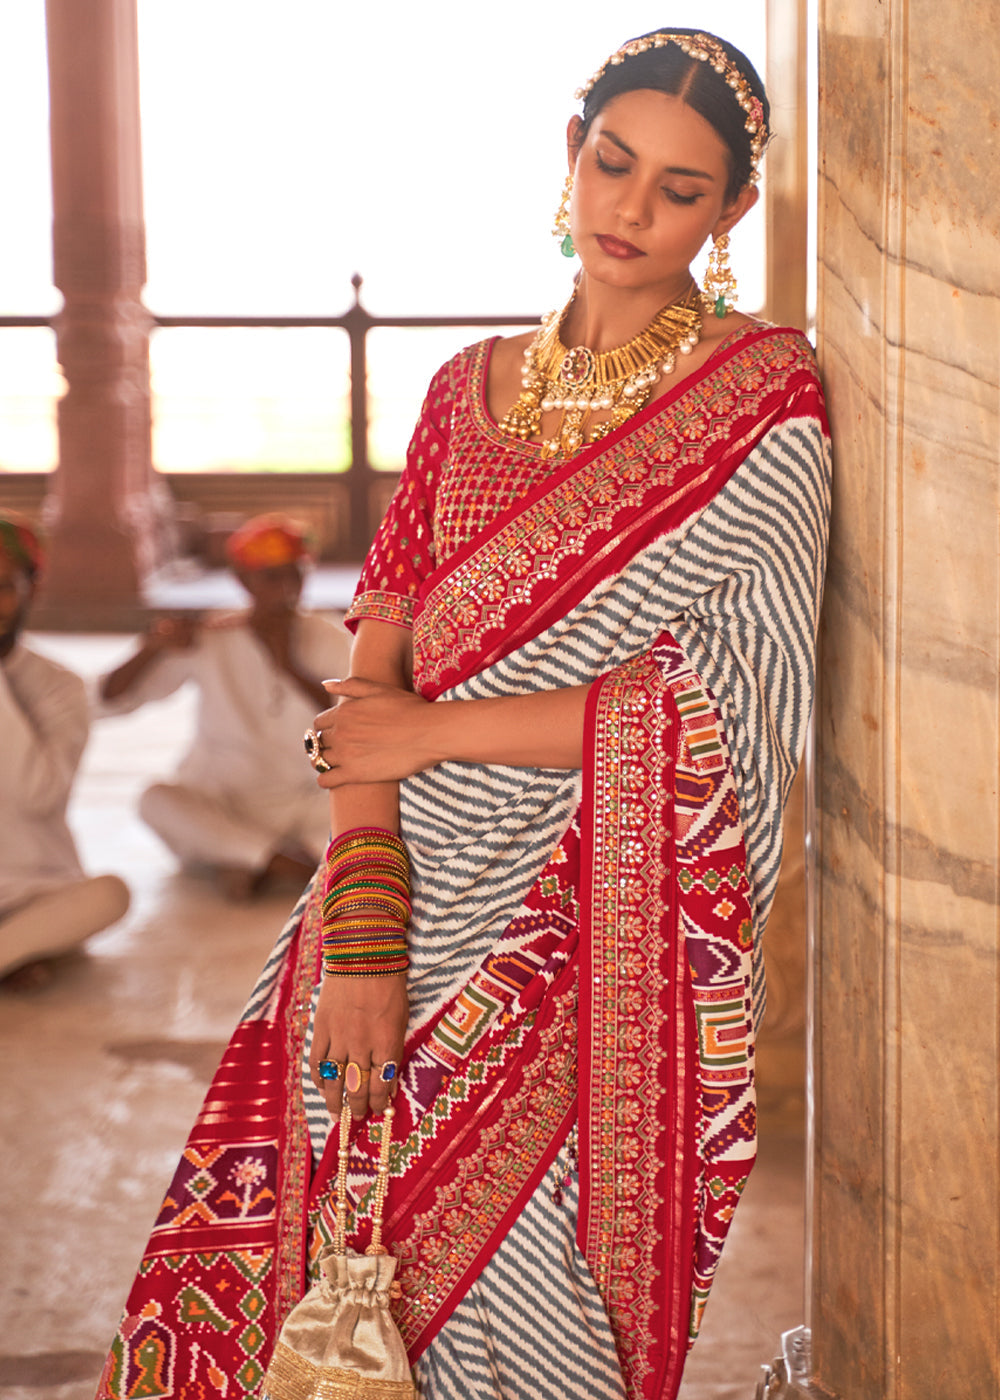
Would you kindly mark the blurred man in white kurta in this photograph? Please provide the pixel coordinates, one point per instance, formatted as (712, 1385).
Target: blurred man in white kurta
(244, 802)
(47, 904)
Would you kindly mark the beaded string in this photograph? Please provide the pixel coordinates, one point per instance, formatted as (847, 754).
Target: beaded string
(366, 907)
(381, 1182)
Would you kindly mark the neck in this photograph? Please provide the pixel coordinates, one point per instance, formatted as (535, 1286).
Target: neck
(604, 317)
(272, 614)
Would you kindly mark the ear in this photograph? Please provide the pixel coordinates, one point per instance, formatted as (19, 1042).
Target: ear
(733, 213)
(574, 140)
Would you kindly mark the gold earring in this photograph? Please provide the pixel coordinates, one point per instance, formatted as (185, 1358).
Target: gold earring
(719, 294)
(561, 226)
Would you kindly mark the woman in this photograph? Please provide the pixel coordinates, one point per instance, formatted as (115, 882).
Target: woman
(579, 688)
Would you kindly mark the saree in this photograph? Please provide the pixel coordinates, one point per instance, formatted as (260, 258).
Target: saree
(586, 973)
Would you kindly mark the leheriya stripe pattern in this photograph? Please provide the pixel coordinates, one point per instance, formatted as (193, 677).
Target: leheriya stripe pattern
(499, 1342)
(479, 836)
(747, 626)
(739, 589)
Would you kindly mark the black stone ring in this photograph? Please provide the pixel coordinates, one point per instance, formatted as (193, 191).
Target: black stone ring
(314, 751)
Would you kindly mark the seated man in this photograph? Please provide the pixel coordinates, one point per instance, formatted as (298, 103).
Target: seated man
(47, 905)
(244, 802)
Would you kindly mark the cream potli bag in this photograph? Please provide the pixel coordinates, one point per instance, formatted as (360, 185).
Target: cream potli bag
(340, 1342)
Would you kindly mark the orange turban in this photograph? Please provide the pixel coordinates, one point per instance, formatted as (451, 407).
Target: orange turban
(267, 542)
(21, 543)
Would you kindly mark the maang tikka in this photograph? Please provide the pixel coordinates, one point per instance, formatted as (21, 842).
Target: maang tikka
(561, 228)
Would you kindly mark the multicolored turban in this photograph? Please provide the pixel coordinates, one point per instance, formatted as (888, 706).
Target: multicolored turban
(267, 542)
(21, 542)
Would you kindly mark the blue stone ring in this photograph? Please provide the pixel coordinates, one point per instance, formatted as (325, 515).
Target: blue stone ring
(330, 1069)
(387, 1072)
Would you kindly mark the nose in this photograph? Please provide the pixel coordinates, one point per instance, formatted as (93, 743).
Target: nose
(634, 205)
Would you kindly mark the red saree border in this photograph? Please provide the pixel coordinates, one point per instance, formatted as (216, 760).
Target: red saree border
(455, 1224)
(295, 1011)
(464, 1162)
(597, 510)
(638, 1120)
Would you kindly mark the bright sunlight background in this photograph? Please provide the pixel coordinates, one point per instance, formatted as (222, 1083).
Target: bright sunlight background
(287, 147)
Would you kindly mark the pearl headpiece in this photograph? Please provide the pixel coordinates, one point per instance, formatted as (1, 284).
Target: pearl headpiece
(708, 50)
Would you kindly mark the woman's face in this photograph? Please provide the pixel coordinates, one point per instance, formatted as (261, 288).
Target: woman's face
(649, 189)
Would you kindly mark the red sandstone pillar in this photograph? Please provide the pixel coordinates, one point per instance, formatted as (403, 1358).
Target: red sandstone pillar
(100, 509)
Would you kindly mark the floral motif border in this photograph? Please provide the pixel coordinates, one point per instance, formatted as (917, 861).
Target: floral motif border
(592, 502)
(384, 607)
(446, 1242)
(296, 1166)
(628, 1016)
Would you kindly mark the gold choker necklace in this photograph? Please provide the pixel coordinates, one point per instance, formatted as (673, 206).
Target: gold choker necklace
(581, 382)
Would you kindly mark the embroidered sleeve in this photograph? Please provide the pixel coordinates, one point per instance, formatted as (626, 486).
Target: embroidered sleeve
(402, 553)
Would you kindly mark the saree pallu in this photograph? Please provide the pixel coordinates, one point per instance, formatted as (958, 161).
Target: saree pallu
(584, 946)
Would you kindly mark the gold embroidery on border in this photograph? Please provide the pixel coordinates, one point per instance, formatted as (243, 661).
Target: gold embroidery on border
(386, 607)
(628, 882)
(446, 1239)
(475, 599)
(297, 1154)
(292, 1377)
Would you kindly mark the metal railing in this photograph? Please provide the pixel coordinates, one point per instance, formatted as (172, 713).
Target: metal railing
(357, 322)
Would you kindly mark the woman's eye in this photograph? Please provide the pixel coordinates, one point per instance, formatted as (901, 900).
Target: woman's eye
(676, 198)
(602, 164)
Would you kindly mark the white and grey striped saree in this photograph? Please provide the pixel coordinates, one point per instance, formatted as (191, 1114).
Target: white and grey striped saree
(576, 1120)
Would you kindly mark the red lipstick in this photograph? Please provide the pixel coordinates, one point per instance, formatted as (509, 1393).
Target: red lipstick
(617, 247)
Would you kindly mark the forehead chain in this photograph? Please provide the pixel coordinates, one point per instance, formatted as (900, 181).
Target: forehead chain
(707, 50)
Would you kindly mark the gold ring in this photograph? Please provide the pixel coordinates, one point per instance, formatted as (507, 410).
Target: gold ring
(314, 751)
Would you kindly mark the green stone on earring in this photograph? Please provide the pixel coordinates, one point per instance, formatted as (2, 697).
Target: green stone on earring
(720, 307)
(566, 247)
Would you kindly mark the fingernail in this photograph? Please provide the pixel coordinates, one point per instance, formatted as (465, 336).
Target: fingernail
(333, 681)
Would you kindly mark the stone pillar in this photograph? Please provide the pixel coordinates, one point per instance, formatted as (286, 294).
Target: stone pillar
(100, 512)
(905, 1272)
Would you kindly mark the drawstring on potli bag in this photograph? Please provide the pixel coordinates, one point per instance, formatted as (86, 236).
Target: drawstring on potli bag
(340, 1342)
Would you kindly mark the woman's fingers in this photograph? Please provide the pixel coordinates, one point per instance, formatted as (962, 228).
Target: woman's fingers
(327, 1072)
(356, 1081)
(382, 1085)
(358, 1037)
(354, 688)
(367, 1083)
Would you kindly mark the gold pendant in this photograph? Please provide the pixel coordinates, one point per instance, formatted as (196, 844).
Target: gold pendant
(524, 418)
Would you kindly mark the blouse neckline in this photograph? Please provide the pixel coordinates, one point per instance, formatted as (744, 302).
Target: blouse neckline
(480, 373)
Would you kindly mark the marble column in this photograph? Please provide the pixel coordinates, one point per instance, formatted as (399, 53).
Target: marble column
(100, 513)
(905, 1268)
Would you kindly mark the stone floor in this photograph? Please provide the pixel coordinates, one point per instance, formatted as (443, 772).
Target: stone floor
(103, 1066)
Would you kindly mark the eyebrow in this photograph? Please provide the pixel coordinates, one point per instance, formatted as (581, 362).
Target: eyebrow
(670, 169)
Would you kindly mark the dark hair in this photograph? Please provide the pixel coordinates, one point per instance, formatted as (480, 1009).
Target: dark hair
(669, 69)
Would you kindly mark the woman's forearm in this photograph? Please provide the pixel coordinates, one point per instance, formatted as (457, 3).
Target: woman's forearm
(383, 652)
(540, 730)
(379, 732)
(364, 804)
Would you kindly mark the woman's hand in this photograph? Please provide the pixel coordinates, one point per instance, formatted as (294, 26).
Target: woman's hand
(376, 733)
(360, 1020)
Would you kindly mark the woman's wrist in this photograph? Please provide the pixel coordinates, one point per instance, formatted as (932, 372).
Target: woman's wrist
(366, 904)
